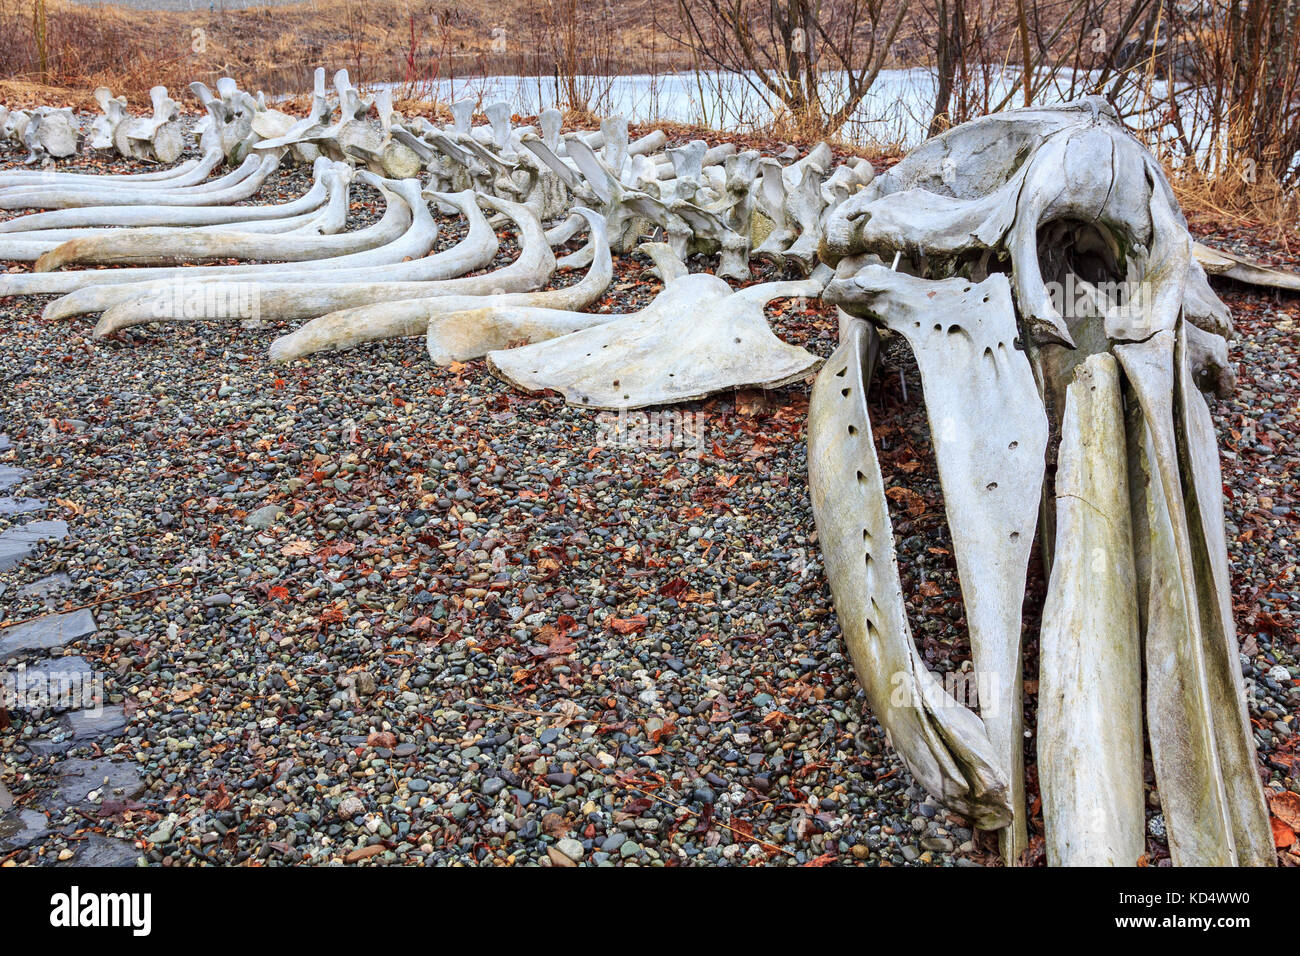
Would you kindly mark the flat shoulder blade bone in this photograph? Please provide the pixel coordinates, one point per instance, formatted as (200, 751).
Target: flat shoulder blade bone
(694, 339)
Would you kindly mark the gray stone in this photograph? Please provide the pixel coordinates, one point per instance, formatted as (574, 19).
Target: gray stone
(10, 476)
(98, 850)
(264, 518)
(17, 543)
(46, 586)
(47, 746)
(570, 848)
(62, 683)
(21, 828)
(46, 633)
(20, 506)
(86, 725)
(79, 777)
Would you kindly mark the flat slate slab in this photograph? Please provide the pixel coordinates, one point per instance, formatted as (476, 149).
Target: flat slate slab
(46, 633)
(17, 543)
(20, 828)
(10, 476)
(52, 584)
(79, 777)
(20, 506)
(98, 850)
(60, 683)
(86, 724)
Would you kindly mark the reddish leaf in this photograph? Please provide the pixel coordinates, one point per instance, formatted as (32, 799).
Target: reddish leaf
(629, 625)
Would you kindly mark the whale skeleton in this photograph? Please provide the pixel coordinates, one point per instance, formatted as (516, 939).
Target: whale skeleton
(301, 296)
(406, 231)
(486, 321)
(103, 245)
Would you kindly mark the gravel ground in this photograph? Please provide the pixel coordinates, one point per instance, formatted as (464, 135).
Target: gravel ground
(406, 615)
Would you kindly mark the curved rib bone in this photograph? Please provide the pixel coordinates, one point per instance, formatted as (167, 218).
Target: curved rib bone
(487, 322)
(97, 290)
(142, 247)
(304, 297)
(75, 196)
(91, 217)
(188, 173)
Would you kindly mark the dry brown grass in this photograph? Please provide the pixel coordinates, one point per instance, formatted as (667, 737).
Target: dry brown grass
(277, 48)
(1229, 203)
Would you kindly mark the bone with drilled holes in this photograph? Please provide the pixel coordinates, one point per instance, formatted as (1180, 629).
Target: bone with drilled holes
(1106, 328)
(1035, 264)
(696, 337)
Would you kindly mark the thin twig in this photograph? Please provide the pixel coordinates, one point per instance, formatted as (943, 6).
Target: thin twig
(80, 607)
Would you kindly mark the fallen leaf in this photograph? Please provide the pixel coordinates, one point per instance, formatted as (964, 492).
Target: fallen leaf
(1283, 835)
(1286, 807)
(364, 853)
(629, 625)
(913, 503)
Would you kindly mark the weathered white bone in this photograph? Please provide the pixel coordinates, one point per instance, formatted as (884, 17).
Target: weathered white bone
(101, 132)
(303, 296)
(192, 182)
(50, 132)
(69, 197)
(327, 219)
(1217, 262)
(188, 173)
(28, 247)
(97, 290)
(1201, 745)
(140, 247)
(156, 138)
(311, 126)
(989, 431)
(695, 338)
(1090, 666)
(104, 216)
(943, 744)
(472, 323)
